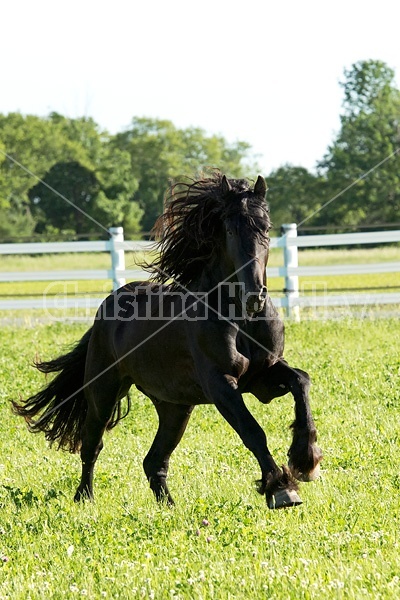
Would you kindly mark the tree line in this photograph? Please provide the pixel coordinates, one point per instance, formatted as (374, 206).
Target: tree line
(48, 163)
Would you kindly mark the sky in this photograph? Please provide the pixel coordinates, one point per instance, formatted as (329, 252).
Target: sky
(262, 72)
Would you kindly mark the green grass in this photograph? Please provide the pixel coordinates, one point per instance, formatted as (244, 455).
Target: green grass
(343, 542)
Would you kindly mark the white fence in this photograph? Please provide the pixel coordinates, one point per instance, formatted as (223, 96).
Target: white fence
(291, 299)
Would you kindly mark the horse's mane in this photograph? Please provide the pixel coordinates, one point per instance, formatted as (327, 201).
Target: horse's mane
(188, 232)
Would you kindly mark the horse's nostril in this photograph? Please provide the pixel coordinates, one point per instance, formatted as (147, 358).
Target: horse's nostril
(255, 302)
(261, 298)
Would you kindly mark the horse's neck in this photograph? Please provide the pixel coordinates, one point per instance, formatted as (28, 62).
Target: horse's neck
(223, 292)
(220, 291)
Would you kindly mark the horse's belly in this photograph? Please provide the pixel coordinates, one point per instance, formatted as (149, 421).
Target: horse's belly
(160, 364)
(189, 394)
(171, 385)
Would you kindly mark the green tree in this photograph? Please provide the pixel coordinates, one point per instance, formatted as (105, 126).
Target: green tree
(161, 153)
(113, 204)
(366, 83)
(33, 146)
(366, 150)
(74, 199)
(294, 195)
(72, 181)
(27, 143)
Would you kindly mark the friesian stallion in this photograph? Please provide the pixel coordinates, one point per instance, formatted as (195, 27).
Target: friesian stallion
(202, 330)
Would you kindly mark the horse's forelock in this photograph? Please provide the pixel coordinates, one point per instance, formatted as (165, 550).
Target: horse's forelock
(188, 229)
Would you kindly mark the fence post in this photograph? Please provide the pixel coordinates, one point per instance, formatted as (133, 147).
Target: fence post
(117, 256)
(290, 257)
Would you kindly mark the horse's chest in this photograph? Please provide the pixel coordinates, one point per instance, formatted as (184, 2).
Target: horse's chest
(246, 366)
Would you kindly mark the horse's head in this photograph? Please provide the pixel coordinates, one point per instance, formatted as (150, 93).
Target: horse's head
(215, 230)
(245, 229)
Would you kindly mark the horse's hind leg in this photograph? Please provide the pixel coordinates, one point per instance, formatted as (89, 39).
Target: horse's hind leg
(173, 419)
(102, 394)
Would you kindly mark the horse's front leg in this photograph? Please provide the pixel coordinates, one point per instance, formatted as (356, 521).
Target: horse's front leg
(304, 455)
(277, 485)
(277, 380)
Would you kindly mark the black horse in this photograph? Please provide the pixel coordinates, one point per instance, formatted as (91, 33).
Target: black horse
(208, 337)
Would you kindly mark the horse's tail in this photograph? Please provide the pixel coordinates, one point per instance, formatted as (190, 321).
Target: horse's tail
(62, 402)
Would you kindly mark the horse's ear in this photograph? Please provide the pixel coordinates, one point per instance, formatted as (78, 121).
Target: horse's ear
(260, 188)
(225, 186)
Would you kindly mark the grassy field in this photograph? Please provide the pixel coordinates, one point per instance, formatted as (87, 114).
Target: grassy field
(220, 541)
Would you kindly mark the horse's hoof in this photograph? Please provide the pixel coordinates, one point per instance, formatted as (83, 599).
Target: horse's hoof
(306, 477)
(284, 499)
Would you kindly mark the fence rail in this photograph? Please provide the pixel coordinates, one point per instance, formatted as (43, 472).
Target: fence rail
(289, 242)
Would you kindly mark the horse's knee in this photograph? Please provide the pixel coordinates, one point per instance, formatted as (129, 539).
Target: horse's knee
(300, 382)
